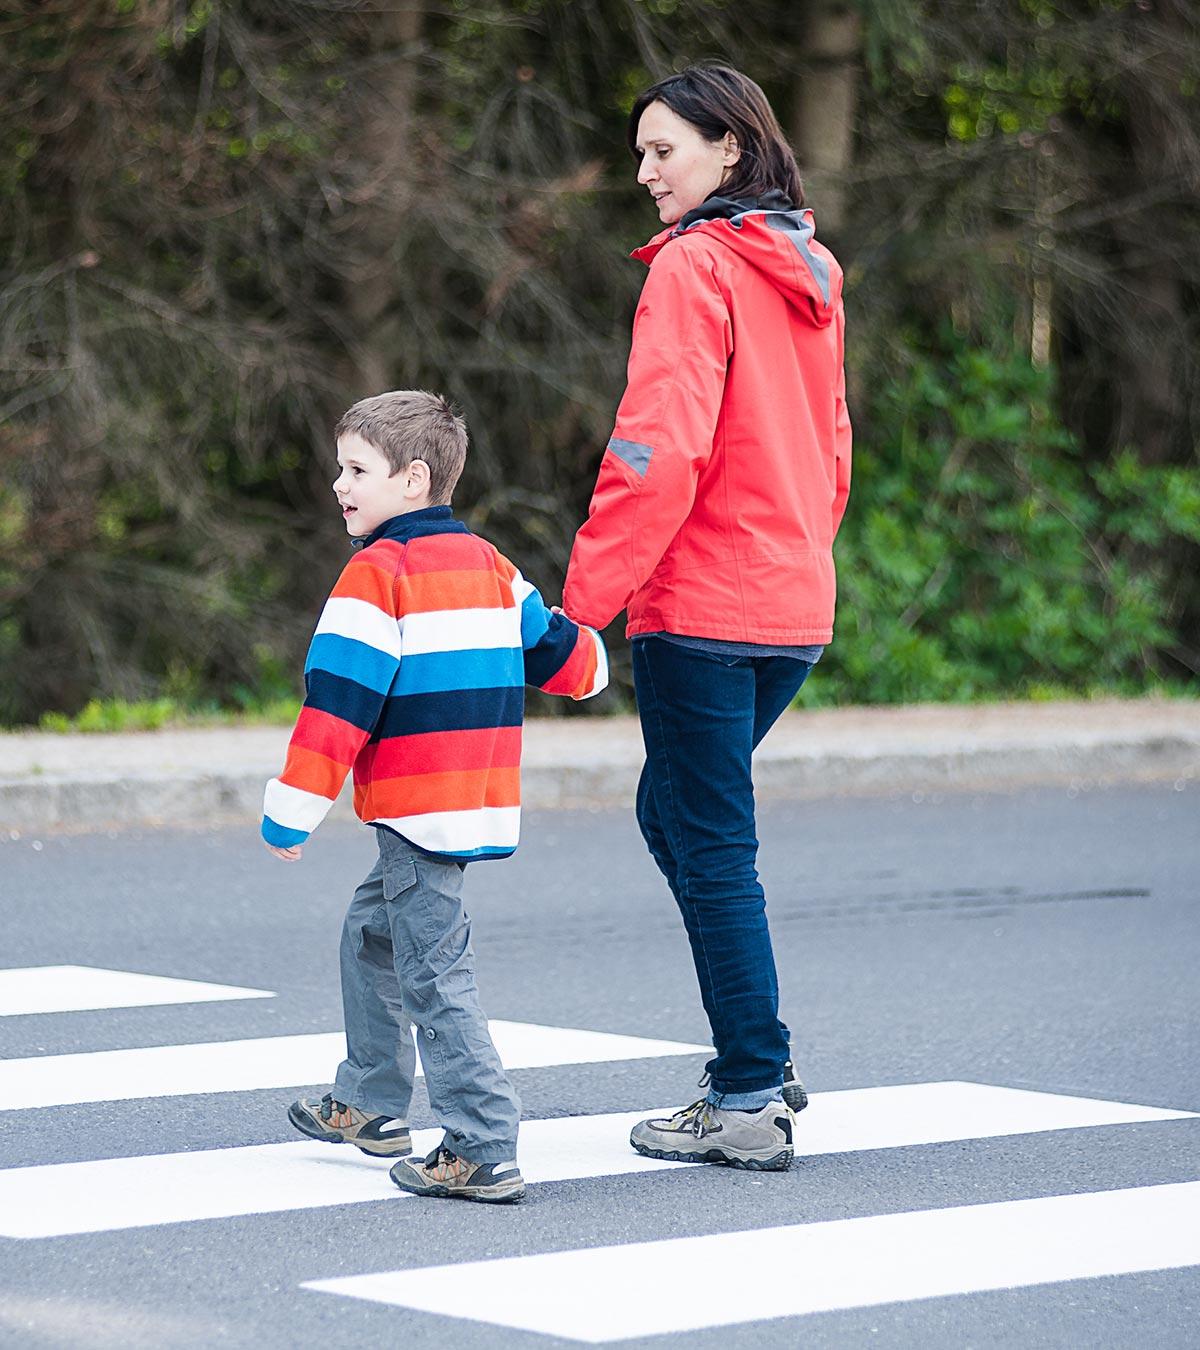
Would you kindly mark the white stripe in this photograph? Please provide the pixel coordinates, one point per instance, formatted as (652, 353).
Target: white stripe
(51, 989)
(276, 1061)
(601, 680)
(687, 1284)
(55, 1200)
(293, 807)
(459, 630)
(521, 589)
(362, 622)
(459, 831)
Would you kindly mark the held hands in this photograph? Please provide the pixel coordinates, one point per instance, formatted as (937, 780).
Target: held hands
(287, 854)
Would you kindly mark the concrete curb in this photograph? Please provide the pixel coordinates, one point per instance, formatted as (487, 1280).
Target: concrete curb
(201, 777)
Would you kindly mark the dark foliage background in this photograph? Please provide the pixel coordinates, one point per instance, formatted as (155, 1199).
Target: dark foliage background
(220, 223)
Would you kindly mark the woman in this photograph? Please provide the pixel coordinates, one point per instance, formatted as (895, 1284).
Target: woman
(712, 523)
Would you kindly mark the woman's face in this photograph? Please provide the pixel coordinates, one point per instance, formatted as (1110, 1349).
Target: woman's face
(678, 165)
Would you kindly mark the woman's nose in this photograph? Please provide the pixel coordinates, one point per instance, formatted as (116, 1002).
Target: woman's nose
(647, 173)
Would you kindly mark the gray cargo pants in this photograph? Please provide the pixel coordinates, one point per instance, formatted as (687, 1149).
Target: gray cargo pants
(407, 963)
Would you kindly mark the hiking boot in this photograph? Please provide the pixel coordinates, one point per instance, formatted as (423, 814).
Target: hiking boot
(447, 1176)
(334, 1122)
(793, 1089)
(760, 1141)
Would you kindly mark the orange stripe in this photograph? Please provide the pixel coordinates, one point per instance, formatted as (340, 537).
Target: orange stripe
(476, 589)
(420, 793)
(362, 579)
(312, 772)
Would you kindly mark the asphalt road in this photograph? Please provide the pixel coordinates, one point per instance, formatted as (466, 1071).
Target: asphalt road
(1045, 940)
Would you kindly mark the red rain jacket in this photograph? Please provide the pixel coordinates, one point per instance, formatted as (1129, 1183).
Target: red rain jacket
(726, 477)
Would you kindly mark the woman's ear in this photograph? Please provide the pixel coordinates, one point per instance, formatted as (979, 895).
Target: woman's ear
(733, 151)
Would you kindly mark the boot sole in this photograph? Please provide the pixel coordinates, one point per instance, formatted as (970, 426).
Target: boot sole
(482, 1197)
(307, 1126)
(779, 1162)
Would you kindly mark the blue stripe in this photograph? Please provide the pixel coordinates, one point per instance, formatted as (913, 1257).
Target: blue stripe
(478, 668)
(280, 835)
(464, 710)
(352, 660)
(535, 619)
(636, 455)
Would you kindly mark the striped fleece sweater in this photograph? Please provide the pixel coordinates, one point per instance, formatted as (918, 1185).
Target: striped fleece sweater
(415, 680)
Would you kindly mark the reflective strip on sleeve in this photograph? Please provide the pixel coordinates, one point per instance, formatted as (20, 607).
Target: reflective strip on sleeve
(634, 454)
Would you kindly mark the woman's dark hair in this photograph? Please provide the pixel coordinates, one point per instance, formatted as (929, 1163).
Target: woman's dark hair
(716, 99)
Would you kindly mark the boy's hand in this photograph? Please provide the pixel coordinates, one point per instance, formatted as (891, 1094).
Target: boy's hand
(287, 854)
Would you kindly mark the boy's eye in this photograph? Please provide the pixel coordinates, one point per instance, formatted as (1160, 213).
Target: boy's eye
(357, 469)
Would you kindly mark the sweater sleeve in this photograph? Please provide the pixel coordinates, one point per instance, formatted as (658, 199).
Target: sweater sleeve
(843, 433)
(561, 656)
(682, 342)
(352, 662)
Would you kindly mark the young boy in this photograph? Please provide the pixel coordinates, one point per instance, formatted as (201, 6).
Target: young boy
(415, 679)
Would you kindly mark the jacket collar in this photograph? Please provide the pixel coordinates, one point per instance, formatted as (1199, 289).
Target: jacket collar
(413, 524)
(726, 208)
(712, 208)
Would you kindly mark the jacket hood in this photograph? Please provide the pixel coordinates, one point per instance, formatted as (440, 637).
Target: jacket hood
(771, 235)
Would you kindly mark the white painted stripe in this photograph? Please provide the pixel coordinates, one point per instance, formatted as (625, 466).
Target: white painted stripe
(459, 831)
(362, 622)
(51, 989)
(293, 807)
(459, 630)
(59, 1199)
(119, 1193)
(276, 1061)
(809, 1268)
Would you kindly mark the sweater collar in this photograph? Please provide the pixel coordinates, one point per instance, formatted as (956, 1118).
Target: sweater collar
(413, 524)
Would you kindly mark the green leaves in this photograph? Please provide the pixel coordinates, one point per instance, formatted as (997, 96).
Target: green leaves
(981, 556)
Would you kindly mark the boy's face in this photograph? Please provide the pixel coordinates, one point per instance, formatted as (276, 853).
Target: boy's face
(367, 490)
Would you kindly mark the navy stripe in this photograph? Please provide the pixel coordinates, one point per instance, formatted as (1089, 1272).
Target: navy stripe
(455, 710)
(342, 698)
(552, 652)
(636, 455)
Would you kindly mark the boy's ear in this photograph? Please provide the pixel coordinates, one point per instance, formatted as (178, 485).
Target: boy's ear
(418, 476)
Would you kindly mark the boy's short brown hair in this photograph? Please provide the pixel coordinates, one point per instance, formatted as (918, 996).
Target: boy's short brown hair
(409, 424)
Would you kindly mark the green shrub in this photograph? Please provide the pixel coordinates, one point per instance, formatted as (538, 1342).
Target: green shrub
(983, 557)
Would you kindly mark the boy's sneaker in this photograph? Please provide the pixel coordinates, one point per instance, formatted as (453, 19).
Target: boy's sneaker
(760, 1141)
(448, 1176)
(793, 1089)
(336, 1123)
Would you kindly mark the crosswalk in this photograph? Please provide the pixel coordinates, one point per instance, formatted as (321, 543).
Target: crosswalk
(796, 1269)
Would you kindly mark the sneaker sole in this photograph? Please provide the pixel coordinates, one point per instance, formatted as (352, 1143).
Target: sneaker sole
(488, 1197)
(779, 1162)
(307, 1126)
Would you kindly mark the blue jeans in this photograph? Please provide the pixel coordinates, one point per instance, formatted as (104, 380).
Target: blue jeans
(702, 714)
